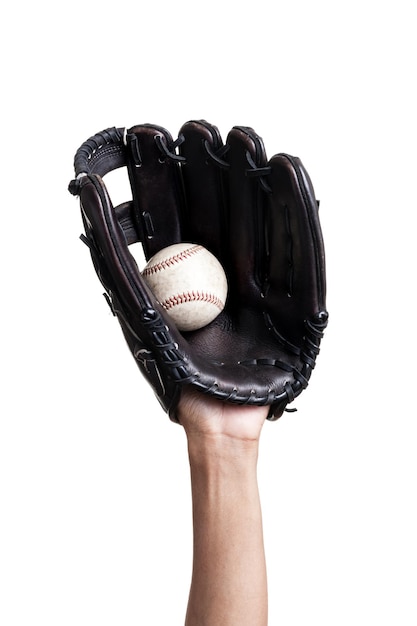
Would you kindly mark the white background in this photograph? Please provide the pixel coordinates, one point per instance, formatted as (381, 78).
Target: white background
(95, 525)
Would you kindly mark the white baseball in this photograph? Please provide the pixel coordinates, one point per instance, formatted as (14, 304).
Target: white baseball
(189, 282)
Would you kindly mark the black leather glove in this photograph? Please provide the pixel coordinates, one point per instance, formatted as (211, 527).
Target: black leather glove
(259, 217)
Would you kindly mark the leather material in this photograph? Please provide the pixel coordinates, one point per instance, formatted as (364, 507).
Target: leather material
(259, 217)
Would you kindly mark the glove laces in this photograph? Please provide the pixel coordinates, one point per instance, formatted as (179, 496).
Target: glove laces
(258, 172)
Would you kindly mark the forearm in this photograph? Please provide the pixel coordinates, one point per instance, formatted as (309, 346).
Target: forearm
(229, 585)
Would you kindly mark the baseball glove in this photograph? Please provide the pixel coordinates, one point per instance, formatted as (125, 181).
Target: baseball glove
(258, 217)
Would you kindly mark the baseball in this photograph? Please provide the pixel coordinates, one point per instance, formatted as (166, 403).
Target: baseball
(189, 282)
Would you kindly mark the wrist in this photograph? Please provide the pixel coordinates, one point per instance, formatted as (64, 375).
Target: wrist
(218, 449)
(220, 429)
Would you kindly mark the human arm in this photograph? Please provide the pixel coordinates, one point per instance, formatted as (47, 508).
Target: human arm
(229, 583)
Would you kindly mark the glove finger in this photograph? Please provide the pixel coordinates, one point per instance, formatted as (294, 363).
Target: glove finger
(116, 267)
(151, 337)
(248, 197)
(158, 201)
(204, 184)
(297, 287)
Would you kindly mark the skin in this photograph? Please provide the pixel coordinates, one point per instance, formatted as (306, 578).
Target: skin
(229, 582)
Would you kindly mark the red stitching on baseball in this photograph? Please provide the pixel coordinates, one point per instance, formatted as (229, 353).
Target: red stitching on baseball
(181, 256)
(192, 296)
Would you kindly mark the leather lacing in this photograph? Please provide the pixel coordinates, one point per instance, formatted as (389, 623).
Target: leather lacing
(133, 145)
(307, 354)
(168, 151)
(253, 171)
(107, 144)
(217, 156)
(164, 345)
